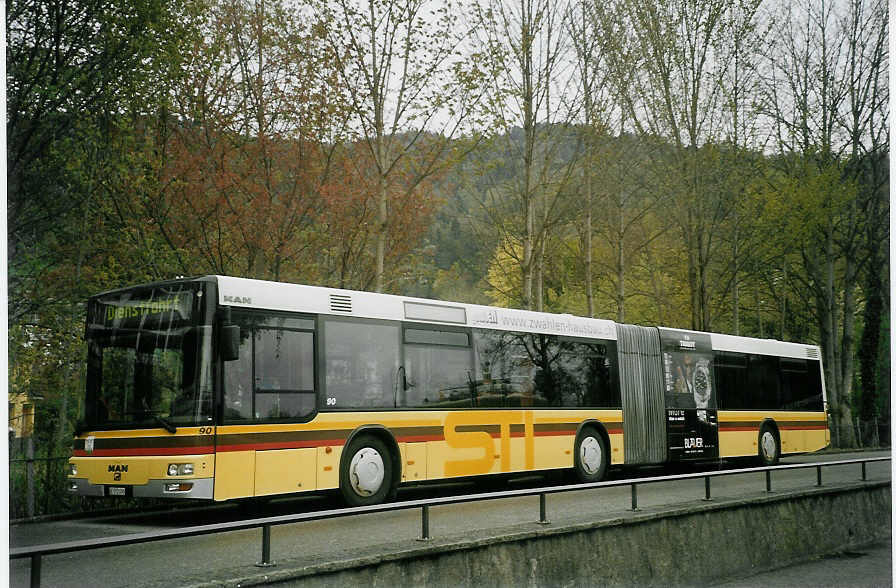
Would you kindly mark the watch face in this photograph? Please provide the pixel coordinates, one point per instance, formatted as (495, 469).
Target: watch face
(701, 382)
(702, 385)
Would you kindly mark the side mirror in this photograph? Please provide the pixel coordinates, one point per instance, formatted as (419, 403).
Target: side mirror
(230, 342)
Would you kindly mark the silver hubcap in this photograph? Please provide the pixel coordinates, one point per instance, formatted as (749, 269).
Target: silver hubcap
(768, 445)
(590, 455)
(366, 472)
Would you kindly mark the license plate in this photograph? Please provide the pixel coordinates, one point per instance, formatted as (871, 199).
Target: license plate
(118, 491)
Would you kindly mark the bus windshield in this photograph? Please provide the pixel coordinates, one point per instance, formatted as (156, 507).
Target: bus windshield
(149, 363)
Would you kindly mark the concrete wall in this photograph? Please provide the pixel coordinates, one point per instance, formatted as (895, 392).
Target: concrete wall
(696, 544)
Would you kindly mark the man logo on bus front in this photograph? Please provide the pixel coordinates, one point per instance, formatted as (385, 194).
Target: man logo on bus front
(237, 299)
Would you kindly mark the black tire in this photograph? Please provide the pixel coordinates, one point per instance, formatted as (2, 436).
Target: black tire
(769, 445)
(591, 455)
(366, 472)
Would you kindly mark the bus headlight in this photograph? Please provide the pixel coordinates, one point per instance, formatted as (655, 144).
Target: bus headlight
(180, 469)
(72, 469)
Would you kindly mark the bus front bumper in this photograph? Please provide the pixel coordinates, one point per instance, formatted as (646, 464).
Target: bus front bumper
(202, 488)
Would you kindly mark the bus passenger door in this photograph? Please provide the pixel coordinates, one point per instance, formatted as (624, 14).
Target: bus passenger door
(235, 459)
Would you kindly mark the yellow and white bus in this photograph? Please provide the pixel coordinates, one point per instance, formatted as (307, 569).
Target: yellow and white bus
(222, 388)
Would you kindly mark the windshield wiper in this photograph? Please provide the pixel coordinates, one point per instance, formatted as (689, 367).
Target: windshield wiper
(166, 424)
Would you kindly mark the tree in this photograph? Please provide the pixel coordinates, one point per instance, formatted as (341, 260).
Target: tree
(679, 51)
(247, 155)
(531, 101)
(866, 125)
(581, 22)
(348, 213)
(827, 92)
(80, 77)
(405, 88)
(73, 68)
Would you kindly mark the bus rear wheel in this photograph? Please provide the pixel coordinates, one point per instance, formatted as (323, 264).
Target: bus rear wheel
(365, 474)
(769, 446)
(591, 456)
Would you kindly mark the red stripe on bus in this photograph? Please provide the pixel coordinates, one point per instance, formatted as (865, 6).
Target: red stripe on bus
(281, 445)
(781, 427)
(419, 438)
(804, 428)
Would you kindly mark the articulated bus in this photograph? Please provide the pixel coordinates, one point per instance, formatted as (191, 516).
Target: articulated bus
(224, 388)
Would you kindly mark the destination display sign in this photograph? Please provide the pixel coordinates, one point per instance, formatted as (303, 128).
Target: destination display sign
(142, 309)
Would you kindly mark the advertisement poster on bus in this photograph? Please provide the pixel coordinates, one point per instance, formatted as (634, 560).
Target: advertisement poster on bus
(692, 425)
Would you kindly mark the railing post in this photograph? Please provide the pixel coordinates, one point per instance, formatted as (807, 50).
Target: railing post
(863, 472)
(265, 547)
(35, 571)
(424, 532)
(634, 497)
(706, 484)
(768, 480)
(543, 508)
(818, 471)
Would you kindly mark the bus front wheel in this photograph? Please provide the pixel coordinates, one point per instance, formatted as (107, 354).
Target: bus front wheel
(365, 475)
(591, 456)
(769, 446)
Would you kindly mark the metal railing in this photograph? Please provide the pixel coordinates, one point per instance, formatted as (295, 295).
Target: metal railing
(36, 552)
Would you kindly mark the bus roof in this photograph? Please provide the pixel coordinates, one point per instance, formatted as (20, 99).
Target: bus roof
(260, 294)
(247, 293)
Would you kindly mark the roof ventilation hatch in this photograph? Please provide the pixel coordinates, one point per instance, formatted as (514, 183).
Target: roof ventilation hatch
(340, 303)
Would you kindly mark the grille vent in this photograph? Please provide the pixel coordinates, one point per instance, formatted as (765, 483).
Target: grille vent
(340, 303)
(811, 353)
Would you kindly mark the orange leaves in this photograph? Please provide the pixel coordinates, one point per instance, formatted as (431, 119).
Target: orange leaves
(241, 204)
(348, 219)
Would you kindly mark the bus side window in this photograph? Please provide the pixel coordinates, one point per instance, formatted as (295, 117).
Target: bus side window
(438, 366)
(273, 379)
(762, 376)
(800, 384)
(284, 374)
(504, 371)
(731, 380)
(360, 363)
(590, 368)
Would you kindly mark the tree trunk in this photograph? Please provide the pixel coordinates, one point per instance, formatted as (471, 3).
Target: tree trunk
(870, 343)
(589, 256)
(692, 285)
(620, 271)
(382, 223)
(528, 250)
(587, 245)
(539, 275)
(848, 437)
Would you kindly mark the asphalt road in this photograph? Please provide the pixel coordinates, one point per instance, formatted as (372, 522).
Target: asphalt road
(230, 555)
